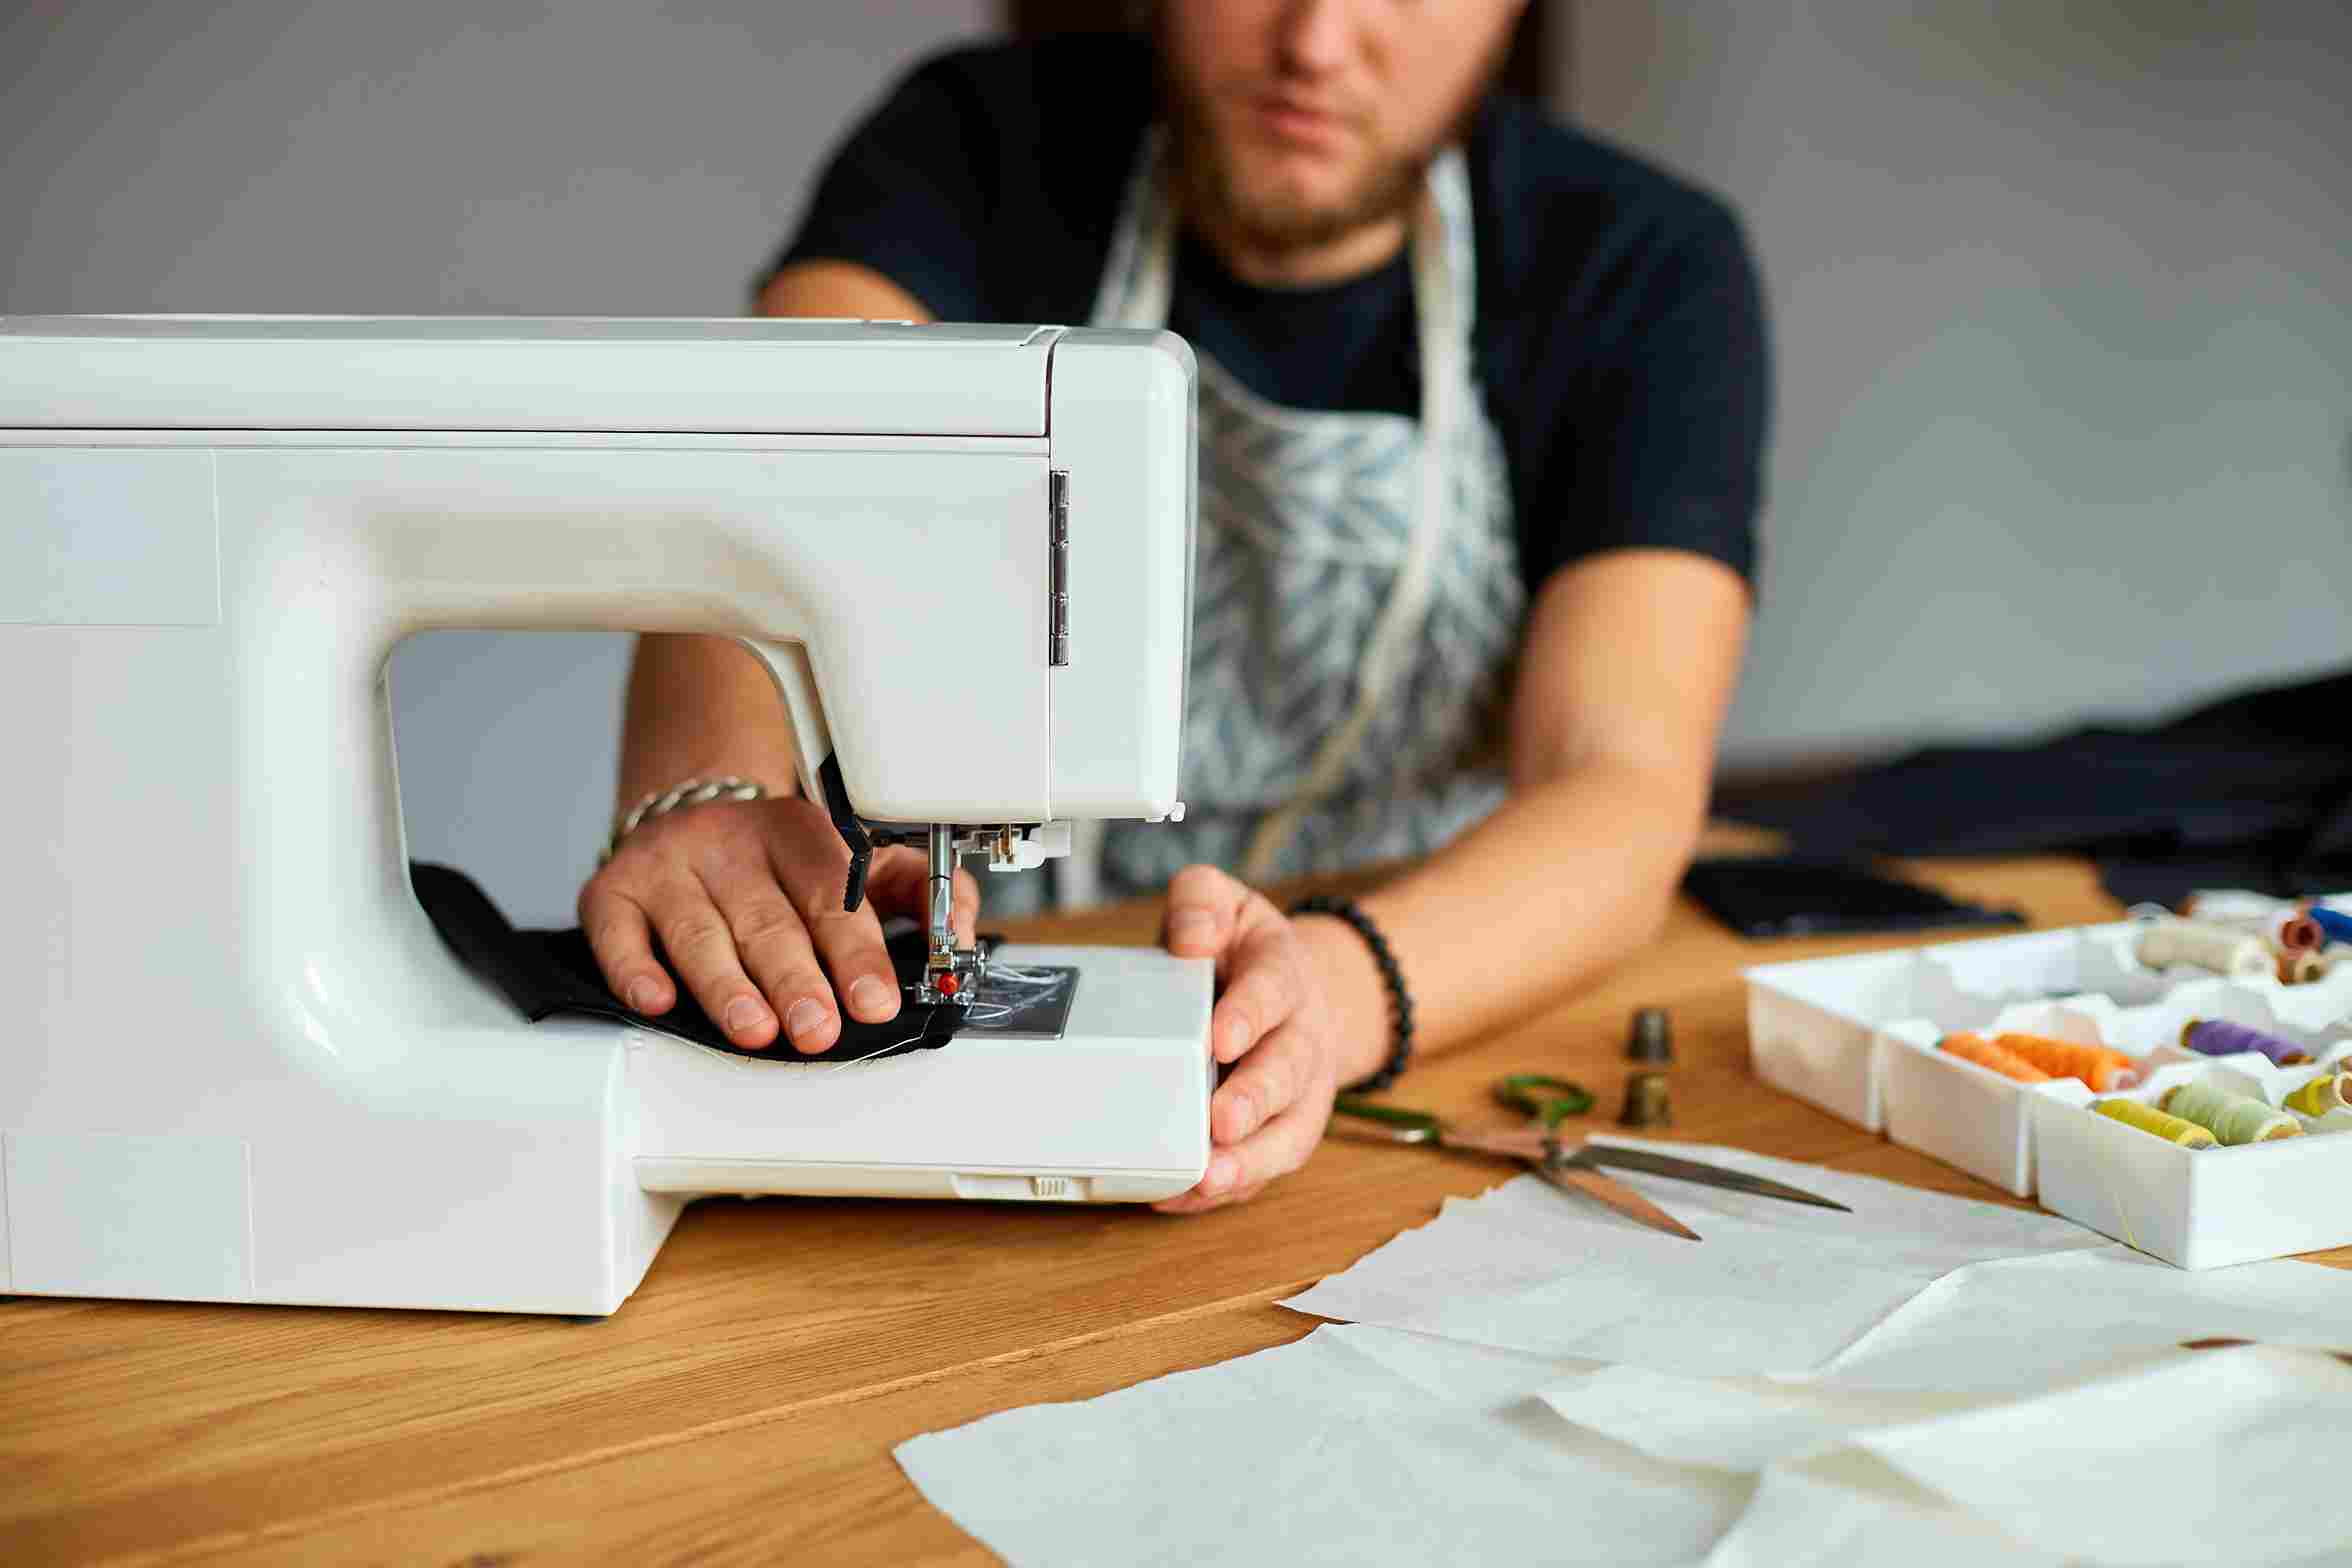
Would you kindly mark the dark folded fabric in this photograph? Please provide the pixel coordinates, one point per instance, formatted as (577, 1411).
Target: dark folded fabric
(2252, 791)
(549, 972)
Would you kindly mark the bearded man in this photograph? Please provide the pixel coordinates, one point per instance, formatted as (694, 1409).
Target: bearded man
(1482, 412)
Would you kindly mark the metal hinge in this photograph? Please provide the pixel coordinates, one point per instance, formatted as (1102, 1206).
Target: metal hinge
(1057, 540)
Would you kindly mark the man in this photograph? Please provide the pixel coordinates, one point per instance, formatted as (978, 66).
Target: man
(1482, 408)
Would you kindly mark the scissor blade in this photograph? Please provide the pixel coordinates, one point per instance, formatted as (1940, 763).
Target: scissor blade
(1655, 1164)
(1569, 1177)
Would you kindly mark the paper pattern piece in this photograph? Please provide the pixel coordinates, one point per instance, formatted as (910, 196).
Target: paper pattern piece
(2019, 1323)
(1944, 1383)
(1355, 1445)
(2175, 1457)
(1773, 1288)
(1814, 1516)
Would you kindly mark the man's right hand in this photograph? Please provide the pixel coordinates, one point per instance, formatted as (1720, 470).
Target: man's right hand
(745, 900)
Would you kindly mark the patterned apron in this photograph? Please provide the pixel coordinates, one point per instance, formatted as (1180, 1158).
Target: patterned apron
(1357, 597)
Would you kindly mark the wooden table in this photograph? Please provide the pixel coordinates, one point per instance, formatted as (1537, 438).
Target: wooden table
(742, 1407)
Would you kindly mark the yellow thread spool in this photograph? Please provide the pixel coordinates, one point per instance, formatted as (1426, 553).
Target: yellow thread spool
(2234, 1118)
(2172, 1129)
(2330, 1091)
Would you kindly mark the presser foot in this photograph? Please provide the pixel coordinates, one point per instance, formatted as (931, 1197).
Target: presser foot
(952, 975)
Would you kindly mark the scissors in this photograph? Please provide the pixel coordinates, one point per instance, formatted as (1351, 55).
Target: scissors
(1570, 1164)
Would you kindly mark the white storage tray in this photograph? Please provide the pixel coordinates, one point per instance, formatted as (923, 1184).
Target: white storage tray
(1857, 1036)
(2197, 1208)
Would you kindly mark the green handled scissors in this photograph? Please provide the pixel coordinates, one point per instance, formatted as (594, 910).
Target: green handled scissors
(1570, 1164)
(1549, 1100)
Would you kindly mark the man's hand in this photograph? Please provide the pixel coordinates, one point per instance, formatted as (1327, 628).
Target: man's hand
(746, 899)
(1286, 998)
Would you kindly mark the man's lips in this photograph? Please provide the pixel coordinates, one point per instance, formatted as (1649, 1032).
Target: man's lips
(1300, 124)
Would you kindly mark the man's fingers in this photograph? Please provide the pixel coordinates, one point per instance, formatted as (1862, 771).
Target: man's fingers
(1205, 907)
(1282, 1145)
(621, 937)
(1257, 1003)
(850, 943)
(967, 908)
(1193, 1203)
(899, 883)
(695, 935)
(773, 943)
(1268, 1083)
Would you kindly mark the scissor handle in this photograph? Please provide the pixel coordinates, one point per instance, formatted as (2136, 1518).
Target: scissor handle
(1550, 1099)
(1420, 1123)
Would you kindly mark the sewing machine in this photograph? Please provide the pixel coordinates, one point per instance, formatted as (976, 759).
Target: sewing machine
(239, 1064)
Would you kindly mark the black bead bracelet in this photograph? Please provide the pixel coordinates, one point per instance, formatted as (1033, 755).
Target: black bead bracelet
(1400, 1000)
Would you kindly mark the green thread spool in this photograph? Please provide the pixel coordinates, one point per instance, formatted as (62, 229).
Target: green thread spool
(2234, 1118)
(2321, 1095)
(2172, 1129)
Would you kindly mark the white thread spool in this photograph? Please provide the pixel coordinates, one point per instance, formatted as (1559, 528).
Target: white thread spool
(2305, 967)
(2237, 954)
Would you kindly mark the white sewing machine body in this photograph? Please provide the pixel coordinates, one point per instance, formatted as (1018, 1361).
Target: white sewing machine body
(243, 1067)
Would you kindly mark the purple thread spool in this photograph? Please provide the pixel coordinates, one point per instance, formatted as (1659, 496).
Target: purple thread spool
(2220, 1037)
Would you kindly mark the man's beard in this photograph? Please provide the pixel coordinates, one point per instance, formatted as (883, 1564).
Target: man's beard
(1214, 191)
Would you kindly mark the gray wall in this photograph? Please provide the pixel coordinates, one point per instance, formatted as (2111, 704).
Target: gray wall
(597, 157)
(2063, 300)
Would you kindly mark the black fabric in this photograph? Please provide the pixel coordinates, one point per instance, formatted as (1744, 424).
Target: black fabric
(1620, 343)
(549, 972)
(2252, 791)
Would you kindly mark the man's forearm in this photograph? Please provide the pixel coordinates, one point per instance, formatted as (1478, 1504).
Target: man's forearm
(701, 707)
(1566, 879)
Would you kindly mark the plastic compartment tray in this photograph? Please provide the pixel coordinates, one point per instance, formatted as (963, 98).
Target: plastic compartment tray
(1857, 1037)
(2196, 1208)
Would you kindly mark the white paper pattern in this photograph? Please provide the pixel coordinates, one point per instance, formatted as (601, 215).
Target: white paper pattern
(1352, 1446)
(1773, 1287)
(1985, 1384)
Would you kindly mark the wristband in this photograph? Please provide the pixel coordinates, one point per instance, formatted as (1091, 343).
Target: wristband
(661, 803)
(1400, 1000)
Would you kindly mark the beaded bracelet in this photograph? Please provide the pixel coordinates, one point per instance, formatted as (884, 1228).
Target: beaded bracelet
(1400, 1000)
(694, 792)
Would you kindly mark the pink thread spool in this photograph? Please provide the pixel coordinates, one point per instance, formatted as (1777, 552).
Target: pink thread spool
(2299, 933)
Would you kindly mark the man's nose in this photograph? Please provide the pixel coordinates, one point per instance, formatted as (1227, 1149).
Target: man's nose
(1315, 37)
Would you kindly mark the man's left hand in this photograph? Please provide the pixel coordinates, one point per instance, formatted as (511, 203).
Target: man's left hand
(1278, 1017)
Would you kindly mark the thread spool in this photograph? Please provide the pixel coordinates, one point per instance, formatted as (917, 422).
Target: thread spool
(2334, 924)
(2304, 968)
(2233, 1118)
(2102, 1069)
(2172, 1129)
(2220, 1037)
(2330, 1091)
(1991, 1057)
(2300, 933)
(2218, 948)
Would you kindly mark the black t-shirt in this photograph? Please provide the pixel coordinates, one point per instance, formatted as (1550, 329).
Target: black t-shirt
(1619, 345)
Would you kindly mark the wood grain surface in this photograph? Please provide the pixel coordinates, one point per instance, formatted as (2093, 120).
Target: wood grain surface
(742, 1407)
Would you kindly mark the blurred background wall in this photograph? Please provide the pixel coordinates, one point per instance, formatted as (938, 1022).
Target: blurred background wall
(2061, 294)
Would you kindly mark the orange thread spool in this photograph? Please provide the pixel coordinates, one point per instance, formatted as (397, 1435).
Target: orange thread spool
(1990, 1056)
(2098, 1066)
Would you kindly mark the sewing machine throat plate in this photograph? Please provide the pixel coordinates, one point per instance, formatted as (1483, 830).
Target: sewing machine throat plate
(1023, 1002)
